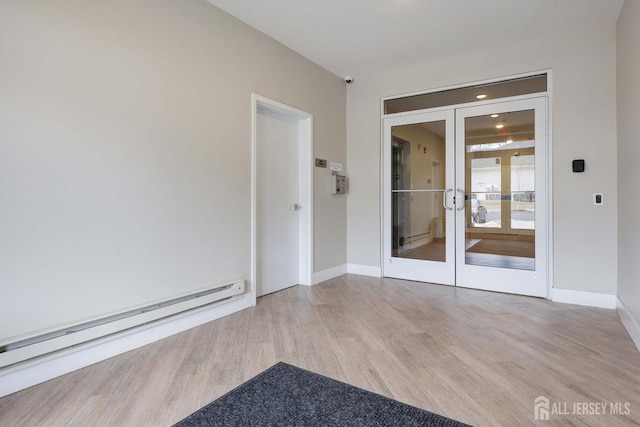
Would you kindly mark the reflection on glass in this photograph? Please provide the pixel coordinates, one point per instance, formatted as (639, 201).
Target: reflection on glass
(486, 198)
(419, 232)
(418, 179)
(499, 146)
(500, 188)
(523, 194)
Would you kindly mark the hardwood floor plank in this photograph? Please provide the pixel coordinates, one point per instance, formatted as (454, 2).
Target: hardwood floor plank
(479, 357)
(352, 356)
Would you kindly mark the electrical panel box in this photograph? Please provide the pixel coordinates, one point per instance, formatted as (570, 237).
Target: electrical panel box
(338, 184)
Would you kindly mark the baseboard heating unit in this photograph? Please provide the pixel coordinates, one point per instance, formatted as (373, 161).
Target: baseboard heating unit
(29, 346)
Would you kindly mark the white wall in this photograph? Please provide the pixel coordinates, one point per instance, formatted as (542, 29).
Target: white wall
(628, 71)
(584, 126)
(125, 152)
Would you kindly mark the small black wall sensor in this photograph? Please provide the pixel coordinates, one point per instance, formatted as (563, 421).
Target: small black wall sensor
(578, 165)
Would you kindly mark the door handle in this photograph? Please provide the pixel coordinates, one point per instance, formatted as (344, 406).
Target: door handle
(461, 207)
(295, 207)
(444, 199)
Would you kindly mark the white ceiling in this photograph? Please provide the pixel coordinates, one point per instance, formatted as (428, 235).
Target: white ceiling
(351, 37)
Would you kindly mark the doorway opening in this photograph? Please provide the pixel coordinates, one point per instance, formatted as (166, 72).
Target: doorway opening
(469, 204)
(282, 196)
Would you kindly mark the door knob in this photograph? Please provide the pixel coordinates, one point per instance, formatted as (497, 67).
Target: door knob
(295, 207)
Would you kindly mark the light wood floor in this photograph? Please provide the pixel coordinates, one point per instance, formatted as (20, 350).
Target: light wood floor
(479, 357)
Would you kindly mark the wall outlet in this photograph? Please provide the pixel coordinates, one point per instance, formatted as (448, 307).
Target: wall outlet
(598, 199)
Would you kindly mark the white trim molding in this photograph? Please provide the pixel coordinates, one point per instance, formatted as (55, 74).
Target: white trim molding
(329, 273)
(26, 374)
(589, 299)
(364, 270)
(632, 325)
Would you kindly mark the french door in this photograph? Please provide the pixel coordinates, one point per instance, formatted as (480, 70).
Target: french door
(465, 196)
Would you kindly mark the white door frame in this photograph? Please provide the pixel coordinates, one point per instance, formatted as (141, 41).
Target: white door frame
(547, 162)
(305, 188)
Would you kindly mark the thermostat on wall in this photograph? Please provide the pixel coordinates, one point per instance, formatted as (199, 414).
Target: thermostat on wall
(578, 165)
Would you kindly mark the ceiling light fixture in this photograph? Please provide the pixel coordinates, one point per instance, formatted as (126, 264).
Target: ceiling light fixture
(500, 126)
(493, 116)
(482, 96)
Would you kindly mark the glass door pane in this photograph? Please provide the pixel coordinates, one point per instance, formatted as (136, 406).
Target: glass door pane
(418, 209)
(500, 186)
(523, 192)
(501, 238)
(485, 210)
(417, 181)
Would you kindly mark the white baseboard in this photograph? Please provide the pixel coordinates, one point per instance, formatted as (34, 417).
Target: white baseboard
(364, 270)
(589, 299)
(329, 273)
(417, 243)
(26, 374)
(631, 324)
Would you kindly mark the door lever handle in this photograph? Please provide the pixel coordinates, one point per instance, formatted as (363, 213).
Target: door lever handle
(444, 199)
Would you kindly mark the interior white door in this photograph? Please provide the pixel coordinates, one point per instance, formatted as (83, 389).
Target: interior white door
(278, 207)
(418, 220)
(501, 168)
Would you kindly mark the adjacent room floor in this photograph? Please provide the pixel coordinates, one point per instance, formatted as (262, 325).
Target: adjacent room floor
(486, 252)
(478, 357)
